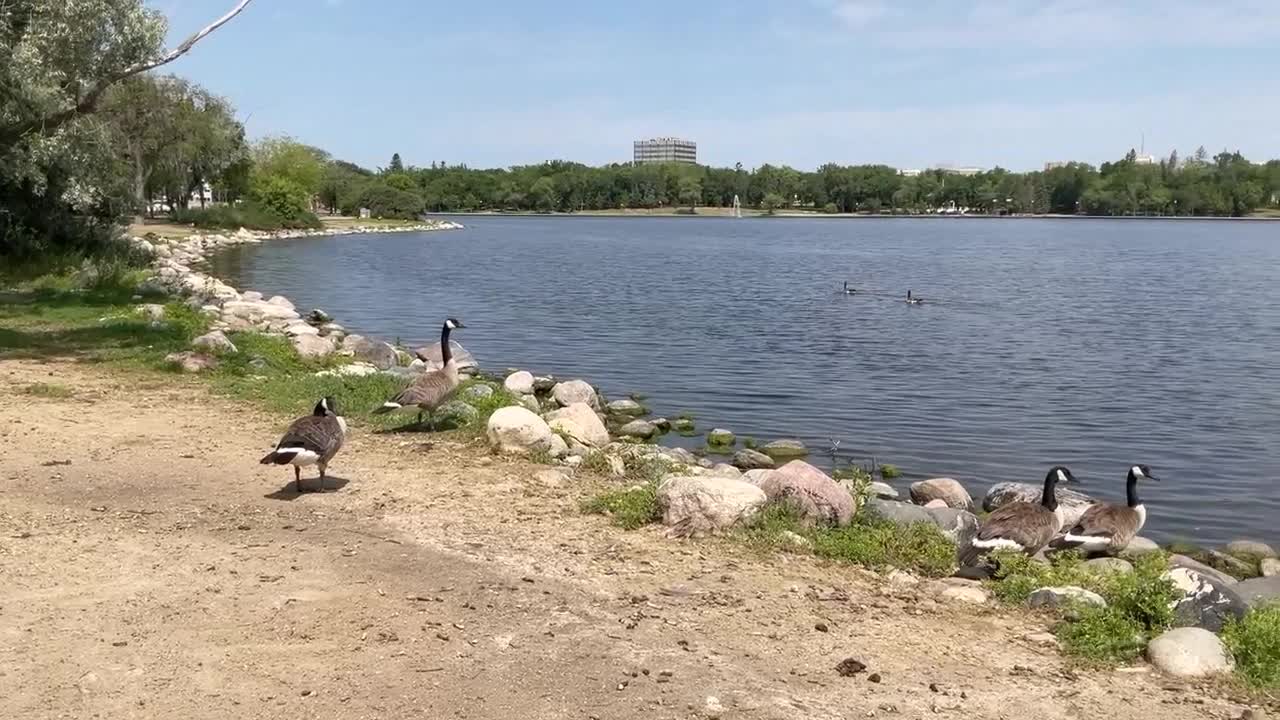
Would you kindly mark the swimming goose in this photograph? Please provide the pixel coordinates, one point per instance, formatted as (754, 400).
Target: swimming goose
(1107, 526)
(1023, 526)
(310, 440)
(848, 290)
(914, 300)
(430, 389)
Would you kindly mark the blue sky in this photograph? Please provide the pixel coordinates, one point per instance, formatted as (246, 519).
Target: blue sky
(912, 83)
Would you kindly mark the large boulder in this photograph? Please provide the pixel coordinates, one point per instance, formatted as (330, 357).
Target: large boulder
(581, 423)
(1215, 574)
(1260, 591)
(1189, 652)
(641, 429)
(312, 346)
(694, 506)
(575, 391)
(959, 526)
(375, 352)
(898, 513)
(812, 492)
(785, 449)
(1137, 547)
(625, 407)
(1064, 597)
(1251, 549)
(948, 490)
(1269, 567)
(751, 460)
(1073, 504)
(519, 382)
(517, 430)
(720, 437)
(882, 490)
(1203, 602)
(214, 342)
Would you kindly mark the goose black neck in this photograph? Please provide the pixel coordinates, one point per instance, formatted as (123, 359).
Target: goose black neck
(1050, 499)
(1131, 489)
(446, 354)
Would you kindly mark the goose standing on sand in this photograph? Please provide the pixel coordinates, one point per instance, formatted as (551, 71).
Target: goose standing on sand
(914, 300)
(1024, 526)
(848, 290)
(1107, 526)
(310, 440)
(430, 389)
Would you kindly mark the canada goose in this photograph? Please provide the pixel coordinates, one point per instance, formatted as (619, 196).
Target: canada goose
(1024, 526)
(310, 440)
(914, 300)
(430, 389)
(848, 290)
(1107, 526)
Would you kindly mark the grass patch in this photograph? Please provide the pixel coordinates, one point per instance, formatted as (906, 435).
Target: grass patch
(868, 542)
(48, 390)
(1255, 644)
(1138, 603)
(628, 508)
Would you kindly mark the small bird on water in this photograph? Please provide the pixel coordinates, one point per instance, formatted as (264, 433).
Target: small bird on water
(914, 300)
(310, 440)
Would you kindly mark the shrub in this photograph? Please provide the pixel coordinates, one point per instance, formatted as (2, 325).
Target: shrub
(880, 544)
(1255, 644)
(279, 196)
(830, 208)
(384, 201)
(249, 214)
(1103, 636)
(629, 508)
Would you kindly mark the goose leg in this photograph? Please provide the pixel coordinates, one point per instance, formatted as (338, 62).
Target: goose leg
(322, 469)
(297, 478)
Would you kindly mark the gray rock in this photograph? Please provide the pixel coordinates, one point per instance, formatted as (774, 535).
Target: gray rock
(1251, 549)
(332, 329)
(214, 342)
(947, 490)
(1138, 547)
(152, 311)
(725, 470)
(575, 391)
(960, 526)
(543, 383)
(312, 346)
(252, 296)
(454, 414)
(1063, 597)
(318, 317)
(751, 460)
(785, 449)
(378, 354)
(683, 425)
(1269, 567)
(281, 301)
(661, 423)
(1108, 566)
(1230, 564)
(517, 430)
(519, 382)
(1204, 603)
(1189, 652)
(299, 327)
(720, 437)
(530, 403)
(1259, 591)
(882, 490)
(965, 593)
(638, 429)
(191, 362)
(693, 506)
(899, 513)
(812, 492)
(626, 407)
(1216, 575)
(681, 455)
(1073, 504)
(479, 391)
(431, 355)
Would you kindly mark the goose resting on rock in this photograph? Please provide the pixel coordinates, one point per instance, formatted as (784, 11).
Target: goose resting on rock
(1024, 526)
(1107, 526)
(310, 440)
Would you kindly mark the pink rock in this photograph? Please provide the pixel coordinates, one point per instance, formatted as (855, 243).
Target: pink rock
(818, 497)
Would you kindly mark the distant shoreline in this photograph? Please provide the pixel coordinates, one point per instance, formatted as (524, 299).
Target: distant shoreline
(726, 213)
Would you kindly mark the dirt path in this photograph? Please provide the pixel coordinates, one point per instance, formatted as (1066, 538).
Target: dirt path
(163, 573)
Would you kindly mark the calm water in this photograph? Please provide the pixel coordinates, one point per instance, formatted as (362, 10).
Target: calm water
(1097, 344)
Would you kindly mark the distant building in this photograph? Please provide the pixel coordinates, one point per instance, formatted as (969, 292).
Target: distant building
(665, 150)
(909, 173)
(959, 170)
(1144, 160)
(1055, 164)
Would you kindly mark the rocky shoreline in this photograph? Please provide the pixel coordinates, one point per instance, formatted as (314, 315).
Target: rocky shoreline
(571, 423)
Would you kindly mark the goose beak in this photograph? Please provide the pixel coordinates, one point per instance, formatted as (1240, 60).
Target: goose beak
(1152, 477)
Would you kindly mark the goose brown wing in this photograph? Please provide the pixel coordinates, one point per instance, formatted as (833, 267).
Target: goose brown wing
(427, 391)
(1117, 523)
(321, 435)
(1031, 525)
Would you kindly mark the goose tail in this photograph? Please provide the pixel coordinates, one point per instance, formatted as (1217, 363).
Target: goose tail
(278, 457)
(387, 407)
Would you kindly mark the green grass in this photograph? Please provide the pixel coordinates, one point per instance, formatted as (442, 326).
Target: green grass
(48, 390)
(629, 508)
(1255, 644)
(1138, 603)
(868, 542)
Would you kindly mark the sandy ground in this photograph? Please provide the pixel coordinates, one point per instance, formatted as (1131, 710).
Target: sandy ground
(150, 568)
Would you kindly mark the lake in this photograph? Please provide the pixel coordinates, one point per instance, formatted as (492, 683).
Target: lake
(1092, 343)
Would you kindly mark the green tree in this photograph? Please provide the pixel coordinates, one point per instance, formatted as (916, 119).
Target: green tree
(771, 202)
(690, 192)
(396, 165)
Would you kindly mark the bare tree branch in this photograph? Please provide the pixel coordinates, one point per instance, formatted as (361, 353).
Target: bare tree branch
(86, 104)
